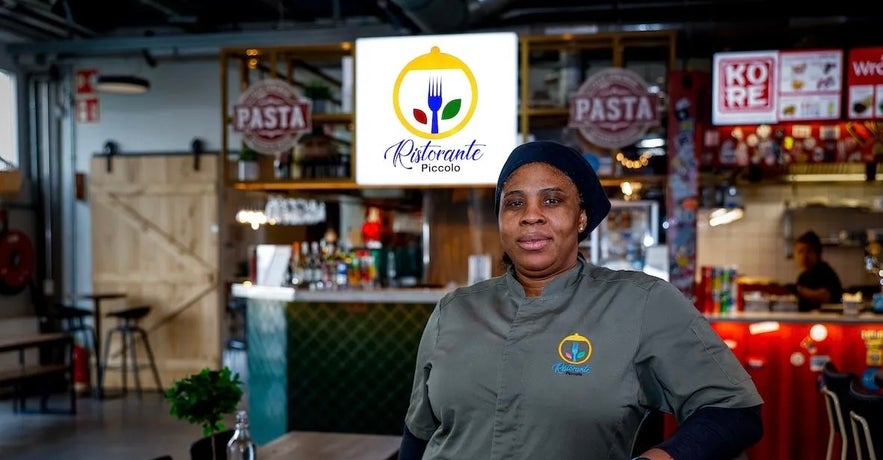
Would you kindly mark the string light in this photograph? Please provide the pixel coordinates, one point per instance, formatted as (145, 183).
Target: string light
(627, 163)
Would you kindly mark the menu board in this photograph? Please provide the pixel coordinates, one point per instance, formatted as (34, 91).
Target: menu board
(865, 82)
(810, 85)
(744, 87)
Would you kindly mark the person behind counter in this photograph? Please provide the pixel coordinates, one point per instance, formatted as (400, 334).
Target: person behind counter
(817, 282)
(558, 358)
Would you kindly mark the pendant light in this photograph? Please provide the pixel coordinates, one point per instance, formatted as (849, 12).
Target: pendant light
(122, 84)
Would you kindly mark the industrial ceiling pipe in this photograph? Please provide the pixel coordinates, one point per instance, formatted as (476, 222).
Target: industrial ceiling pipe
(443, 16)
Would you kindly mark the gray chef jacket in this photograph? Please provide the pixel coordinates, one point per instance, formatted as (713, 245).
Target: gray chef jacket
(568, 374)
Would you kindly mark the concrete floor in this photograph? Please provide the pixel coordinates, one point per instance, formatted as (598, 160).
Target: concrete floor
(124, 428)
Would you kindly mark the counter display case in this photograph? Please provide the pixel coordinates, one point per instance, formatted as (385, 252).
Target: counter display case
(784, 354)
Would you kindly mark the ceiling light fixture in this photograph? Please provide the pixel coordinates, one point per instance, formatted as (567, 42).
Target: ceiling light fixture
(723, 216)
(122, 84)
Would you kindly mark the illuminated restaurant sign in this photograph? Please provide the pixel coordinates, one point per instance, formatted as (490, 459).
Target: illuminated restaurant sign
(435, 110)
(744, 87)
(613, 108)
(776, 86)
(810, 85)
(865, 81)
(270, 116)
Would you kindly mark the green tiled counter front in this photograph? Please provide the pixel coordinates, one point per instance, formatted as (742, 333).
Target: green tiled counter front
(351, 366)
(342, 362)
(267, 338)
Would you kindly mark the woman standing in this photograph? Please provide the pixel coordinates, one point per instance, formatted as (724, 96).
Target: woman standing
(560, 359)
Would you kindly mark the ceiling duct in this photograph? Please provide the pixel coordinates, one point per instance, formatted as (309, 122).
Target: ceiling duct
(445, 16)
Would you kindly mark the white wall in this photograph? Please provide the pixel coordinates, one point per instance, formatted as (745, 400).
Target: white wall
(183, 103)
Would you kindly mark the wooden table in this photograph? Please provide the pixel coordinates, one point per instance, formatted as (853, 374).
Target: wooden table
(97, 298)
(296, 445)
(26, 374)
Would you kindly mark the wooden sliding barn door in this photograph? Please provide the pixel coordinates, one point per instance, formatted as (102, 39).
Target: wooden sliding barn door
(154, 236)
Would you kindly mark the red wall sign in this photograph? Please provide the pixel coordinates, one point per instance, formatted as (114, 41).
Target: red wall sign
(613, 108)
(865, 81)
(744, 87)
(85, 96)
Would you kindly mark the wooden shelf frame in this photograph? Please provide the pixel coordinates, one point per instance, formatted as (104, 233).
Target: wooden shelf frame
(282, 62)
(617, 42)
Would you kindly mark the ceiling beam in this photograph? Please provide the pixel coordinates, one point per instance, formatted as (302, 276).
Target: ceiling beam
(190, 44)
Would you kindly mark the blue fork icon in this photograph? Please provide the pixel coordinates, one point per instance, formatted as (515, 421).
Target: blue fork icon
(434, 100)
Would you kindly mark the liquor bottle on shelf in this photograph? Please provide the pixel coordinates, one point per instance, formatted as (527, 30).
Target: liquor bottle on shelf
(295, 265)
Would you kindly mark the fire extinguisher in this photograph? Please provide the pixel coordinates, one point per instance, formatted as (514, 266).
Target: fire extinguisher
(81, 368)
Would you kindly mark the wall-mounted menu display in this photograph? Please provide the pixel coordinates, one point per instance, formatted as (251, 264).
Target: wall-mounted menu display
(865, 82)
(744, 87)
(776, 86)
(810, 85)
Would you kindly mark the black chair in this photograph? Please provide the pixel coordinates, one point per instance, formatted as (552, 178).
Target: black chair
(835, 387)
(202, 449)
(128, 328)
(73, 320)
(866, 421)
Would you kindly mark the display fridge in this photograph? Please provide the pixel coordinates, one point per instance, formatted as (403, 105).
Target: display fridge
(626, 237)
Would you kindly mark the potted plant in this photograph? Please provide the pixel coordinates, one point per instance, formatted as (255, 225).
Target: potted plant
(248, 165)
(204, 398)
(319, 93)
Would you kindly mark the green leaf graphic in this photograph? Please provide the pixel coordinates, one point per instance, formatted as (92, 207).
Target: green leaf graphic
(451, 109)
(580, 355)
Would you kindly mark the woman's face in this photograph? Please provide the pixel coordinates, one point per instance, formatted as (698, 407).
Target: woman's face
(540, 217)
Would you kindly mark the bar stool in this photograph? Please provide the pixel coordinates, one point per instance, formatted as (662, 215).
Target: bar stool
(866, 418)
(835, 388)
(128, 327)
(73, 321)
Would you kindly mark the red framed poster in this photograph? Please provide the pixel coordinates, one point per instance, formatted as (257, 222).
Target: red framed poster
(864, 78)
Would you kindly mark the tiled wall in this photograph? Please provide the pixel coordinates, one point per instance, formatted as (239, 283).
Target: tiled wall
(757, 244)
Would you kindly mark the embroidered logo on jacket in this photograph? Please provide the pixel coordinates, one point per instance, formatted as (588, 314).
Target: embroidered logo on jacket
(574, 350)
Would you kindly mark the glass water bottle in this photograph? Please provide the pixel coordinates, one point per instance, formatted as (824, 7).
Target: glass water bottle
(241, 446)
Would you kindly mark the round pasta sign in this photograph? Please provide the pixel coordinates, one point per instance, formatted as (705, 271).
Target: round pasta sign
(613, 108)
(270, 116)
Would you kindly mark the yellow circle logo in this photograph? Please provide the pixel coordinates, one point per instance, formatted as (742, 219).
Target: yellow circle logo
(435, 95)
(575, 349)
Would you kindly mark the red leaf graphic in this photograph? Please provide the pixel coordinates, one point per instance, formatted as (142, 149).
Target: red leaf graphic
(420, 116)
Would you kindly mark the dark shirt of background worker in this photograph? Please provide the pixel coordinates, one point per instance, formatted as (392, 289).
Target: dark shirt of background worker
(817, 283)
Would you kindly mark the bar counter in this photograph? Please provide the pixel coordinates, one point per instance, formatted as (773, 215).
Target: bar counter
(826, 317)
(331, 361)
(784, 352)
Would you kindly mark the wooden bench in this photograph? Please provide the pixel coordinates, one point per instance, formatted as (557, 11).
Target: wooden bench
(23, 375)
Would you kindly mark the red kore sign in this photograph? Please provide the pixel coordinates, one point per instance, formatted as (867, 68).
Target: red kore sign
(613, 108)
(270, 116)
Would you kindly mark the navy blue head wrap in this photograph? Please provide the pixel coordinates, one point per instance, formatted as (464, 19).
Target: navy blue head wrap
(592, 196)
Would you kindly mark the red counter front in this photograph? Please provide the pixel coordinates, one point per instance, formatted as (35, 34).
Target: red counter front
(784, 360)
